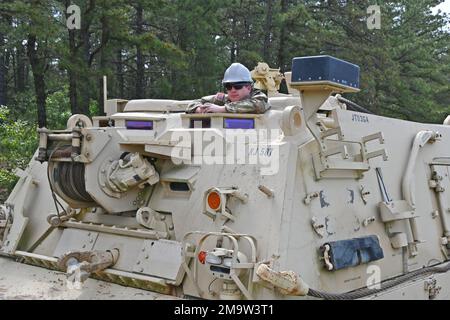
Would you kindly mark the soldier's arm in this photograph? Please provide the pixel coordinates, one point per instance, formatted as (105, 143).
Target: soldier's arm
(197, 103)
(193, 106)
(258, 103)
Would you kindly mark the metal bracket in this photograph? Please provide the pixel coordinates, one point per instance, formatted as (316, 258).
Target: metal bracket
(440, 185)
(234, 240)
(16, 203)
(365, 155)
(326, 167)
(342, 150)
(55, 220)
(5, 223)
(225, 194)
(433, 289)
(350, 166)
(332, 132)
(376, 136)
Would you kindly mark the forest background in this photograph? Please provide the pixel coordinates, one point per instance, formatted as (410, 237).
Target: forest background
(179, 49)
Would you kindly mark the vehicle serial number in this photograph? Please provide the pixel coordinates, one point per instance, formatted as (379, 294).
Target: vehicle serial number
(360, 118)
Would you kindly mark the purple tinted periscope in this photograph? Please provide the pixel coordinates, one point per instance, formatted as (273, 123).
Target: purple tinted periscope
(237, 123)
(139, 125)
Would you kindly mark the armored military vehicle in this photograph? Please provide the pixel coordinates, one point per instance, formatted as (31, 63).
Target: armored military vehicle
(312, 199)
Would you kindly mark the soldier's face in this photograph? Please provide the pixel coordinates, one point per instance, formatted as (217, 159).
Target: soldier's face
(239, 94)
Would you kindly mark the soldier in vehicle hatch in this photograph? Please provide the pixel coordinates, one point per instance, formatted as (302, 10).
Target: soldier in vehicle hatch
(241, 97)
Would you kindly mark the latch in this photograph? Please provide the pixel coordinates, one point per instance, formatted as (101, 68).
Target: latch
(368, 221)
(153, 220)
(364, 194)
(309, 197)
(326, 257)
(319, 228)
(435, 182)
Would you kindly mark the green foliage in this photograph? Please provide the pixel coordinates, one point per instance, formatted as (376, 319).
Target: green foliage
(185, 45)
(404, 65)
(23, 106)
(93, 108)
(58, 109)
(18, 141)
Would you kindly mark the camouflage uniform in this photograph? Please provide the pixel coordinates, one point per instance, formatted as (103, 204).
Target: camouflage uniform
(256, 103)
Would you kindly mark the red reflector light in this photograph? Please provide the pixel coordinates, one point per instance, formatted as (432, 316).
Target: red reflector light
(214, 200)
(202, 257)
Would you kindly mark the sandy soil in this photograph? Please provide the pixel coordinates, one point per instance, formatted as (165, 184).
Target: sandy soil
(24, 282)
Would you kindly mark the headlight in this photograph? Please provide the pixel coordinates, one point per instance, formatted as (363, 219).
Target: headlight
(227, 262)
(213, 259)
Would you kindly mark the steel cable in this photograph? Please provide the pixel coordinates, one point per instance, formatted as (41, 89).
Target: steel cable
(364, 292)
(353, 106)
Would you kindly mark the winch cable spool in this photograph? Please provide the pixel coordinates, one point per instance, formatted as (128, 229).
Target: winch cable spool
(55, 199)
(71, 181)
(353, 106)
(364, 292)
(70, 178)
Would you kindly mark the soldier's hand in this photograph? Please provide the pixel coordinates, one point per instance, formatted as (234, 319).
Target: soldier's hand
(214, 108)
(200, 109)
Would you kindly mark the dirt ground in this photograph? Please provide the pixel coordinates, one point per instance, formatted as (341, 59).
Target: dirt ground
(24, 282)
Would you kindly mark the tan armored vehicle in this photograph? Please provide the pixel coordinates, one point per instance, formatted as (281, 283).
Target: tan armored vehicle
(309, 200)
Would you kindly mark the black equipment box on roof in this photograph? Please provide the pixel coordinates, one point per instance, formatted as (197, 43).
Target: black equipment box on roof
(325, 69)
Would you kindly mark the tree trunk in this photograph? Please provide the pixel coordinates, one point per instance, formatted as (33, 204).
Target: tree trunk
(268, 31)
(3, 87)
(120, 86)
(4, 57)
(41, 96)
(20, 68)
(73, 95)
(139, 55)
(38, 67)
(103, 43)
(234, 42)
(3, 69)
(84, 85)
